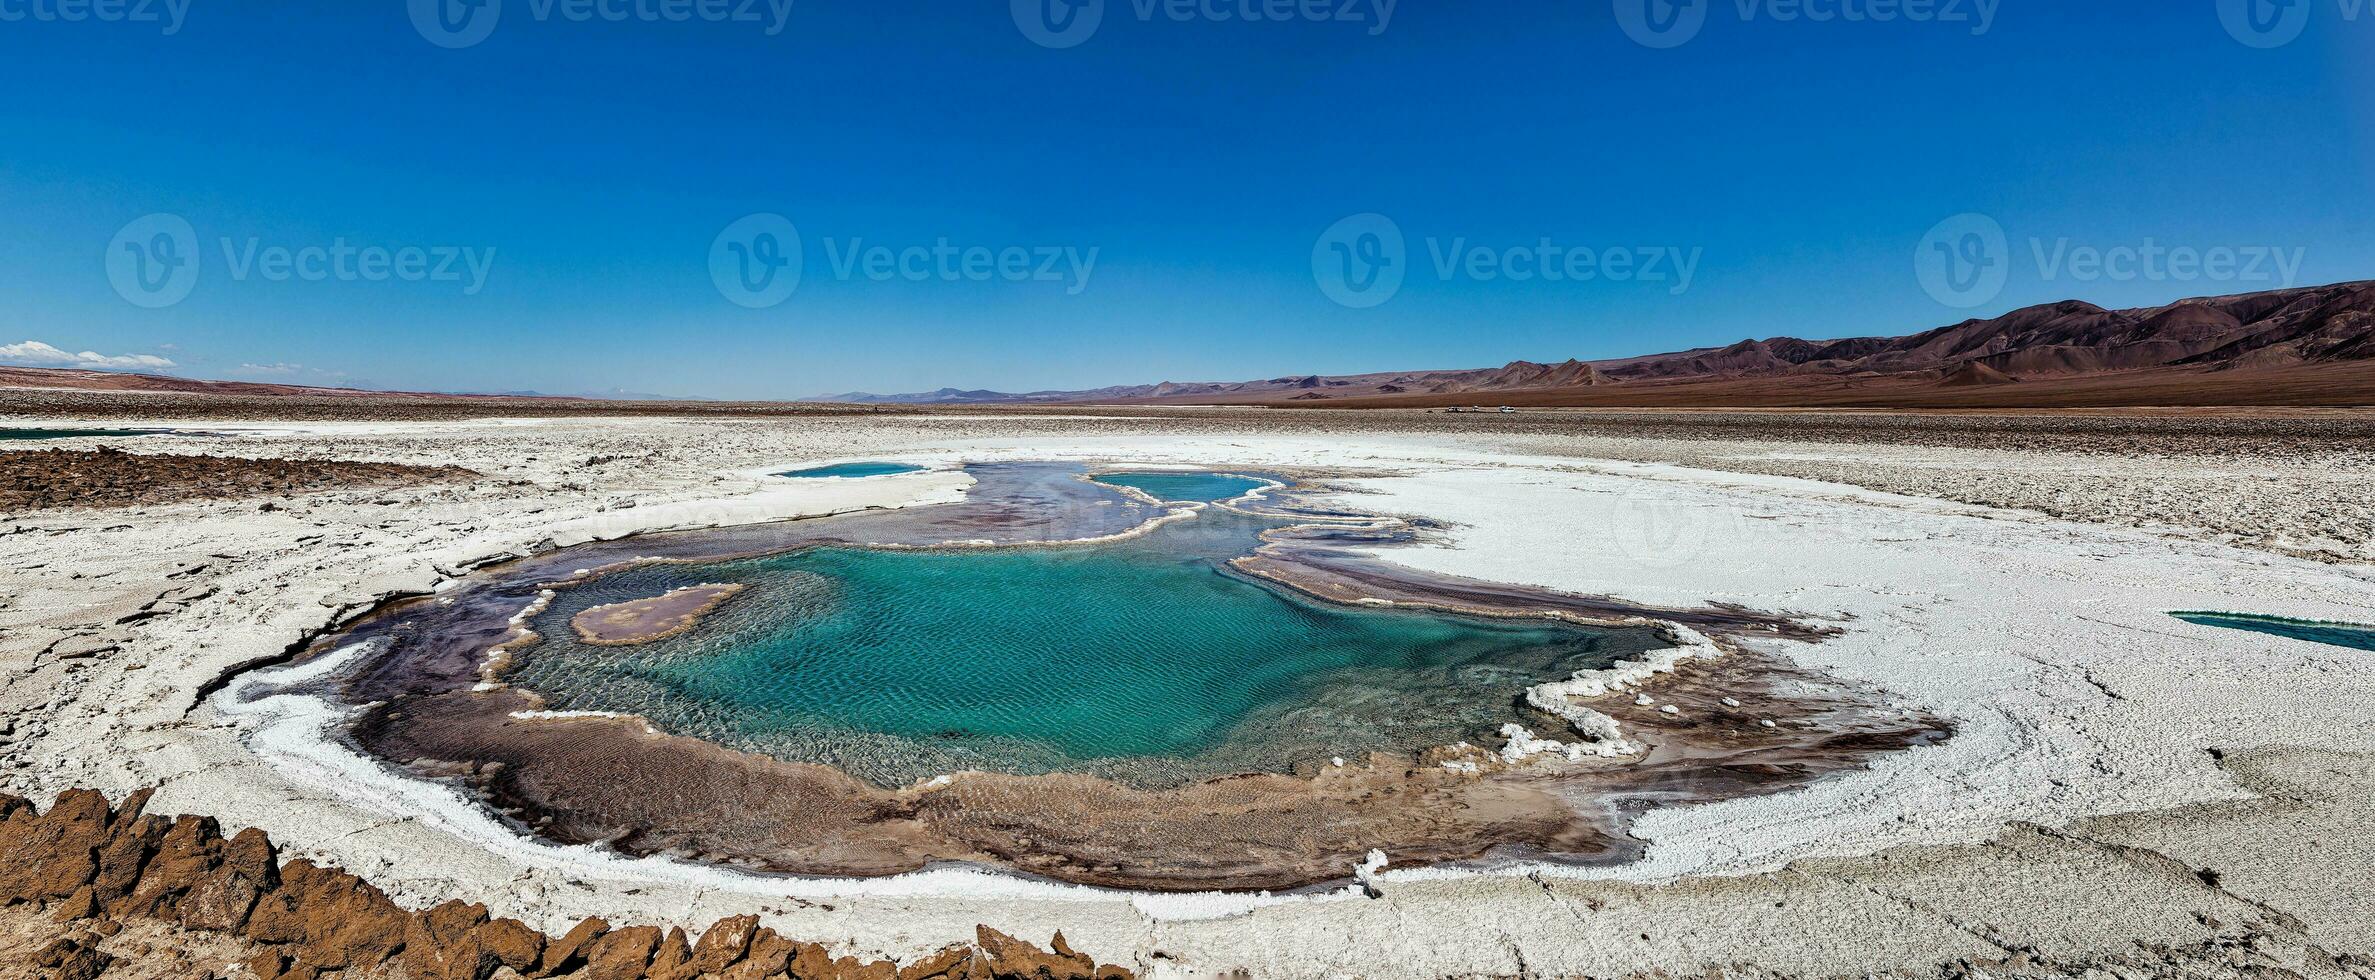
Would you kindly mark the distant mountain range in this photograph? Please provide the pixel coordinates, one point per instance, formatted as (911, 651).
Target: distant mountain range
(2309, 346)
(2282, 331)
(87, 380)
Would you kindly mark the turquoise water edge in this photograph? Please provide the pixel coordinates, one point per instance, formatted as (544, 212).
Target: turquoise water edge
(1202, 488)
(853, 470)
(2333, 634)
(1144, 659)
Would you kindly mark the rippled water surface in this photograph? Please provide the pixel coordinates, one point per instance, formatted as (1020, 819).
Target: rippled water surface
(1144, 659)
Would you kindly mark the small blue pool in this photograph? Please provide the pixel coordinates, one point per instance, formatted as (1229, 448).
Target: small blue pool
(2333, 634)
(1203, 488)
(851, 471)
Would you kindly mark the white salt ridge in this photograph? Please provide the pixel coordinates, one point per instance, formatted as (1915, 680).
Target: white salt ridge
(500, 654)
(648, 728)
(1603, 737)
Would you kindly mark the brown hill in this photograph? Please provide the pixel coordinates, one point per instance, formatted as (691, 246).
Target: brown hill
(2319, 324)
(2306, 346)
(1975, 373)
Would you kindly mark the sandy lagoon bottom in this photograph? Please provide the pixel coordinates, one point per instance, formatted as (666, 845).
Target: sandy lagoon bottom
(1087, 682)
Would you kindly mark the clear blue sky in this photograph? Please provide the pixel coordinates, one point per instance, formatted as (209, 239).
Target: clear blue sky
(1803, 162)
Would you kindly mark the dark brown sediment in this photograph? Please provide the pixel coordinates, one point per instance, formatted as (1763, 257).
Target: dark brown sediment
(693, 799)
(91, 866)
(108, 477)
(562, 777)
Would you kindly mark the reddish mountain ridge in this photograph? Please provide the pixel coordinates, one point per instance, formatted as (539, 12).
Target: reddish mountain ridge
(2290, 331)
(2303, 346)
(2284, 328)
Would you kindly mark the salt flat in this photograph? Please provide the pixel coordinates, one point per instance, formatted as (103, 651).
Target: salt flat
(2126, 790)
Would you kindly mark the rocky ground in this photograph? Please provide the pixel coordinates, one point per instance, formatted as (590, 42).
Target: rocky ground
(202, 905)
(108, 477)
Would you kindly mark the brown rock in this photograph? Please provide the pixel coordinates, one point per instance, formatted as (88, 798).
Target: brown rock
(673, 960)
(50, 855)
(222, 897)
(77, 906)
(55, 951)
(511, 943)
(187, 851)
(441, 943)
(811, 962)
(1011, 957)
(84, 963)
(267, 964)
(947, 964)
(135, 803)
(276, 965)
(622, 955)
(770, 955)
(109, 864)
(569, 952)
(336, 919)
(449, 922)
(725, 943)
(130, 843)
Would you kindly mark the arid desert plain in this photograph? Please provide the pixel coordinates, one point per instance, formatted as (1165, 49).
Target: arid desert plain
(2050, 775)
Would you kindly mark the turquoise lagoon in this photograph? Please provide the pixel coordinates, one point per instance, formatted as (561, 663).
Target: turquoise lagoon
(1187, 487)
(2333, 634)
(1144, 659)
(853, 470)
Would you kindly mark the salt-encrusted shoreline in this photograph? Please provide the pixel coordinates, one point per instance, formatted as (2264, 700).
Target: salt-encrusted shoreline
(2048, 641)
(1577, 832)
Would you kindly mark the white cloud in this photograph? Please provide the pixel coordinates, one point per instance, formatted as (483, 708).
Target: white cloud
(280, 368)
(37, 354)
